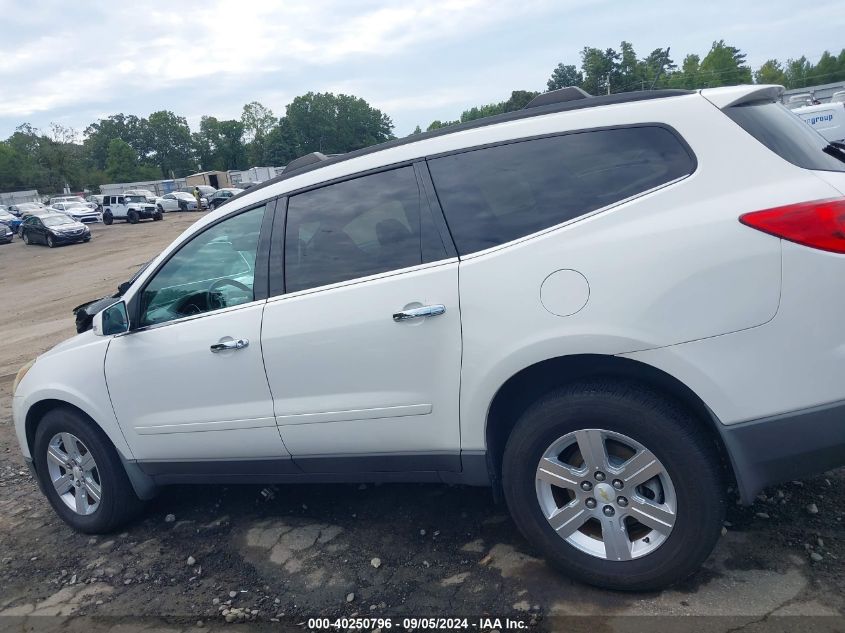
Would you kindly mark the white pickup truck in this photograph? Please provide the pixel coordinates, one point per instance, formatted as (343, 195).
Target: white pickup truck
(828, 119)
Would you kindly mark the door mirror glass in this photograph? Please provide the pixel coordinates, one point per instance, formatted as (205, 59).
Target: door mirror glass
(113, 320)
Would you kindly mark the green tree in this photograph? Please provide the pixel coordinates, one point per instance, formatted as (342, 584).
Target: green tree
(329, 123)
(771, 72)
(437, 124)
(827, 70)
(600, 68)
(563, 76)
(170, 141)
(797, 72)
(128, 128)
(258, 121)
(724, 66)
(121, 161)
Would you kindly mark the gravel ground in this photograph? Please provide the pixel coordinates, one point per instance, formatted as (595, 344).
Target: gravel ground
(288, 553)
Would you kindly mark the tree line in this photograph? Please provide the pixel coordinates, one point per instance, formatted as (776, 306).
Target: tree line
(127, 148)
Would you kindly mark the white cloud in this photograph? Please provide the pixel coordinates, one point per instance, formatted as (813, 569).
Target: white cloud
(416, 61)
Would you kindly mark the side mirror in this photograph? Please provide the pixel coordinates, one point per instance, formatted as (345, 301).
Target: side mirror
(113, 320)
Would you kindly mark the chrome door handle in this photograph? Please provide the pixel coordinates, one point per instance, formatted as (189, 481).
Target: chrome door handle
(238, 344)
(418, 313)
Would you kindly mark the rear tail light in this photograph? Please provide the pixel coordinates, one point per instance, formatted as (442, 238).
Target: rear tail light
(818, 224)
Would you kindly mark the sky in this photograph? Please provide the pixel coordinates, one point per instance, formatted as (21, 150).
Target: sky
(76, 62)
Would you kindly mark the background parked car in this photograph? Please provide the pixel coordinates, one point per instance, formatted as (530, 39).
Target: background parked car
(206, 191)
(72, 199)
(6, 233)
(53, 229)
(77, 211)
(221, 195)
(179, 201)
(25, 208)
(13, 222)
(97, 199)
(146, 193)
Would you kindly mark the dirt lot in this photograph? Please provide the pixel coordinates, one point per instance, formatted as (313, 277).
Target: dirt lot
(290, 553)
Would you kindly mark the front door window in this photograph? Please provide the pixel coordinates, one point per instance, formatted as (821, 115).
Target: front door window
(215, 270)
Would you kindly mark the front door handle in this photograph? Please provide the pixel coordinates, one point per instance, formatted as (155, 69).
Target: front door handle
(419, 313)
(233, 344)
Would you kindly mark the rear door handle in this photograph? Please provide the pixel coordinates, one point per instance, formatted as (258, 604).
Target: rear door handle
(419, 313)
(234, 344)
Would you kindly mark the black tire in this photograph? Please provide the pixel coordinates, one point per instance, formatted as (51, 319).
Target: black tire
(25, 238)
(118, 503)
(108, 218)
(183, 206)
(50, 241)
(673, 435)
(160, 209)
(157, 216)
(132, 217)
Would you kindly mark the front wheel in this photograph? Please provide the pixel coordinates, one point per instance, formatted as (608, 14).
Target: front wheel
(50, 241)
(157, 216)
(617, 486)
(81, 473)
(132, 217)
(25, 238)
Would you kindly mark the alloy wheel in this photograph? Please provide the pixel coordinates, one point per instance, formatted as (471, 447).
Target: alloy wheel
(606, 494)
(74, 474)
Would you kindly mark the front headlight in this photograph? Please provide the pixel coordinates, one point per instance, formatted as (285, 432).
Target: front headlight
(21, 373)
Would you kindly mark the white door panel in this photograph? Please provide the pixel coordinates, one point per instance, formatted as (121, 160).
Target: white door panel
(348, 379)
(176, 399)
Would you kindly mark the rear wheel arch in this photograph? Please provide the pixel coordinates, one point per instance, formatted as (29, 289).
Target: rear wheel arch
(532, 382)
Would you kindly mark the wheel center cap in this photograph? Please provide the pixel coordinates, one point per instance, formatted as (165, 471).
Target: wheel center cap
(77, 473)
(604, 493)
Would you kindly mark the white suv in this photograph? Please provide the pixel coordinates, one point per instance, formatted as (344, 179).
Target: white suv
(129, 207)
(611, 308)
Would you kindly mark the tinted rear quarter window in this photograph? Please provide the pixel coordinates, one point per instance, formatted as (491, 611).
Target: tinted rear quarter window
(494, 195)
(785, 134)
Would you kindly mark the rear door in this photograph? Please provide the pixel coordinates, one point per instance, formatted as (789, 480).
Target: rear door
(363, 350)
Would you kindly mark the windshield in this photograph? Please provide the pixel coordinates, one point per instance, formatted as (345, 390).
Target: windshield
(56, 220)
(134, 198)
(787, 135)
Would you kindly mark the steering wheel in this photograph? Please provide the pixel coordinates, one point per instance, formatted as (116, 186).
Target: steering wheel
(211, 302)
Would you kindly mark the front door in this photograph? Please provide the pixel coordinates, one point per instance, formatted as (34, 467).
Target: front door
(363, 352)
(187, 382)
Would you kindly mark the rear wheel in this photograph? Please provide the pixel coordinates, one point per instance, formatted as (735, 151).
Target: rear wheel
(615, 485)
(108, 218)
(81, 473)
(132, 217)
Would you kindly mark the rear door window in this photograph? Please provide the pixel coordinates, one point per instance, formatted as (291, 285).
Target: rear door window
(787, 135)
(494, 195)
(356, 228)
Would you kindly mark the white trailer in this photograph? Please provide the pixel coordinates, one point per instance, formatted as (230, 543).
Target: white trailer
(828, 119)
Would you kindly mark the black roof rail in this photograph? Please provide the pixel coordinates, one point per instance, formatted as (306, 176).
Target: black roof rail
(561, 95)
(316, 160)
(304, 161)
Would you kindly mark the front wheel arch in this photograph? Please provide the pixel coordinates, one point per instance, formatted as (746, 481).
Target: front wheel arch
(144, 486)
